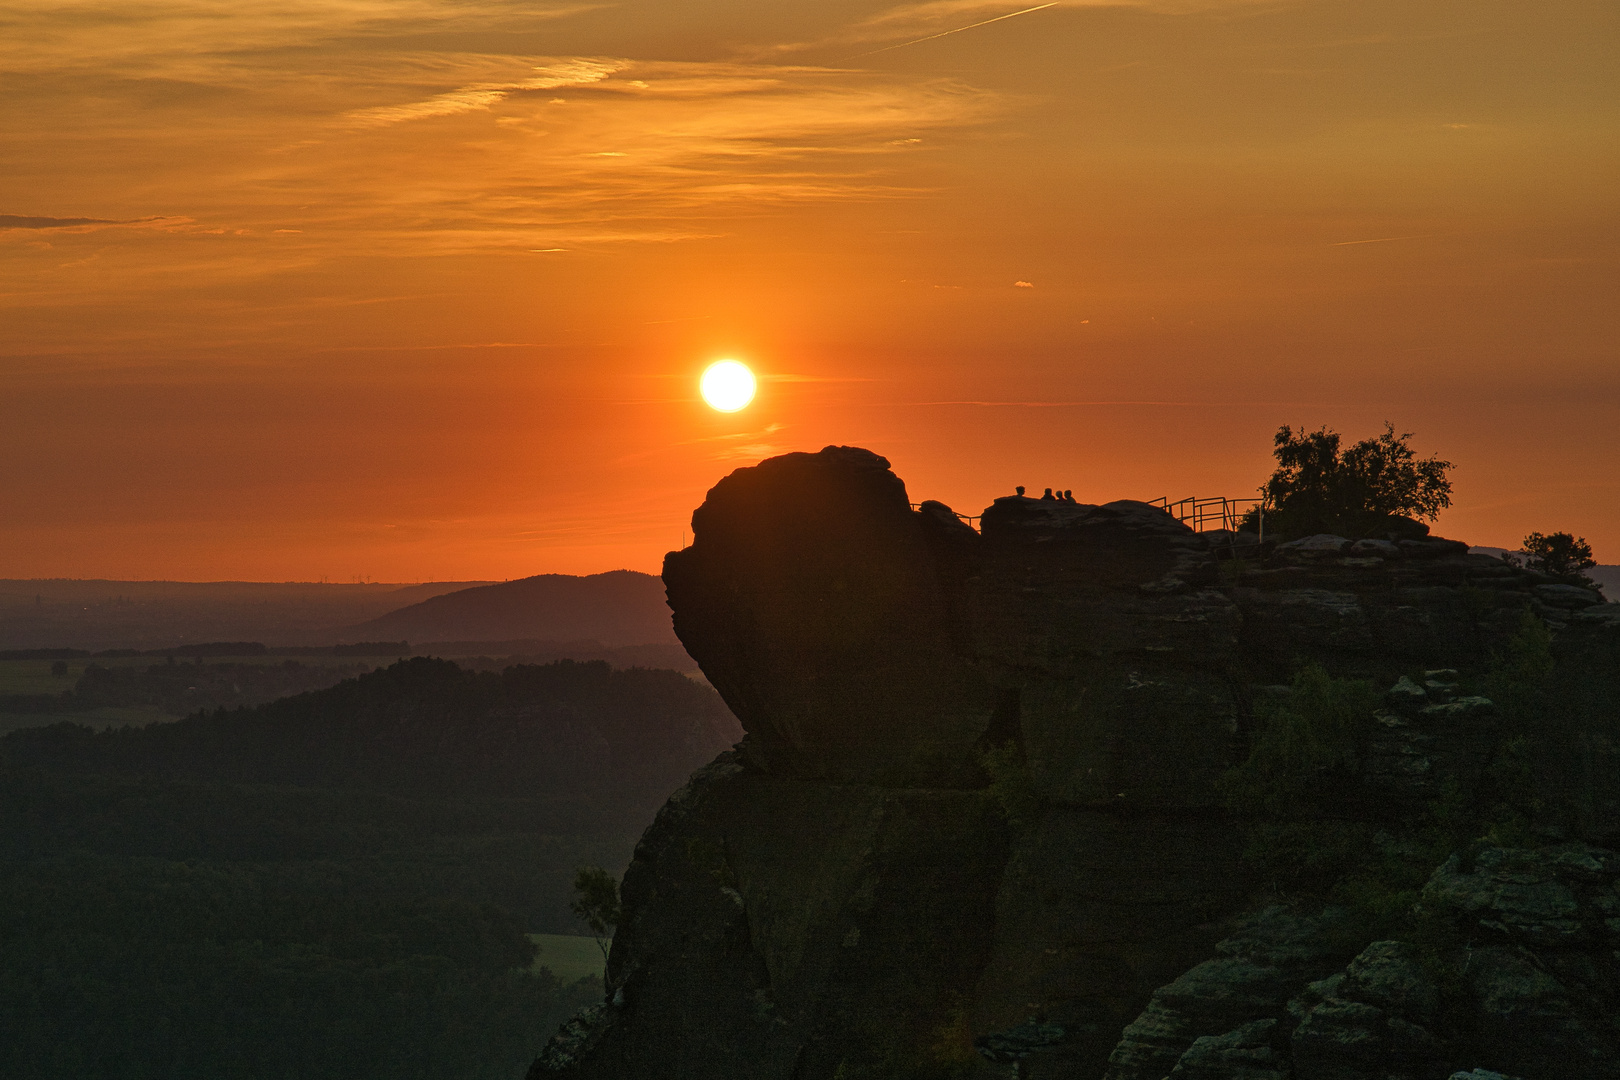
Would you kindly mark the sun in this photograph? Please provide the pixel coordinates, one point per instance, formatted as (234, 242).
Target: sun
(727, 386)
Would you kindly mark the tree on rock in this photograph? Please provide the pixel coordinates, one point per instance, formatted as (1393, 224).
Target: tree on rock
(1560, 555)
(1376, 487)
(596, 903)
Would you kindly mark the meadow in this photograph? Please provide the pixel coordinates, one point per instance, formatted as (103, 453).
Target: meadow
(568, 956)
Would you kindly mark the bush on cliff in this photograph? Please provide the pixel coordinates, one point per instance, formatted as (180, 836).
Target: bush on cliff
(1302, 761)
(1012, 787)
(1559, 700)
(1360, 491)
(1304, 742)
(1561, 556)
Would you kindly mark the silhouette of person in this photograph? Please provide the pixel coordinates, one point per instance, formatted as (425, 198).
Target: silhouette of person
(1048, 496)
(1020, 490)
(1068, 495)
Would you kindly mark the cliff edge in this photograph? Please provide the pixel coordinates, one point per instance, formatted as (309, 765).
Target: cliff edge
(984, 821)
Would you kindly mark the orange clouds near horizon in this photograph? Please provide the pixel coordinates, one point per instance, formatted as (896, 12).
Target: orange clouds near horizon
(410, 289)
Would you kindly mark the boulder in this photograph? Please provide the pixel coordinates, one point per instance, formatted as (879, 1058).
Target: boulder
(1528, 1022)
(1313, 548)
(1249, 1052)
(1407, 695)
(1529, 895)
(1567, 596)
(1273, 955)
(1607, 615)
(1397, 527)
(1384, 549)
(1431, 548)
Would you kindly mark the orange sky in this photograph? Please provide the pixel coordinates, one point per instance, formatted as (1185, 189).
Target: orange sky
(420, 289)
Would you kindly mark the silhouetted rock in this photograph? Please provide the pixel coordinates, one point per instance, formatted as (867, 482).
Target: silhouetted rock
(977, 822)
(1567, 596)
(811, 599)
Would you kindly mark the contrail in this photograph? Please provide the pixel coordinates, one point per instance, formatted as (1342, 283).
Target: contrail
(958, 30)
(1380, 240)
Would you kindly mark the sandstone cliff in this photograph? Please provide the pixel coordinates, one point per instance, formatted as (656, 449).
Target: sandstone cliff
(978, 825)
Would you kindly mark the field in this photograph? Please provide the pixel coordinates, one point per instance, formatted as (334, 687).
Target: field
(569, 957)
(34, 676)
(134, 715)
(23, 677)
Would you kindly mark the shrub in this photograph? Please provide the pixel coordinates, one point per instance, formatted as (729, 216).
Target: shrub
(1318, 487)
(1559, 555)
(1317, 730)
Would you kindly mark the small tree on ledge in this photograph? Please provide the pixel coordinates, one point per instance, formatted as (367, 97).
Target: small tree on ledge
(596, 902)
(1560, 555)
(1360, 491)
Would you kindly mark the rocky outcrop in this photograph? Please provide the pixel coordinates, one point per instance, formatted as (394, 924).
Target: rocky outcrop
(814, 602)
(976, 825)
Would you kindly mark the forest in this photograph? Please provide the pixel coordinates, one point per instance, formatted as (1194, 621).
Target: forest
(336, 884)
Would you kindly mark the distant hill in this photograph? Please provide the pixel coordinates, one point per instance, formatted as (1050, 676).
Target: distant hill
(620, 607)
(494, 655)
(87, 614)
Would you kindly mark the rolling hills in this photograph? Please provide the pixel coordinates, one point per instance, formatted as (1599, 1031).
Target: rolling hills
(620, 607)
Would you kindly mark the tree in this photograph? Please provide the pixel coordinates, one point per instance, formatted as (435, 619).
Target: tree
(596, 902)
(1318, 487)
(1559, 555)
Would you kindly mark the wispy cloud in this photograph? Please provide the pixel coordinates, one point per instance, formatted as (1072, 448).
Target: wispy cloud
(575, 72)
(17, 221)
(300, 133)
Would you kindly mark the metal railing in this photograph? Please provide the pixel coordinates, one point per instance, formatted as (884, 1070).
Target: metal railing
(1200, 515)
(970, 520)
(1218, 512)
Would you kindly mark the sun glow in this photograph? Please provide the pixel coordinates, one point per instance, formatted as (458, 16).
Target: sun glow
(727, 386)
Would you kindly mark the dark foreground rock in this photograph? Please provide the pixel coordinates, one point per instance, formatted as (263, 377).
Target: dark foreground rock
(977, 827)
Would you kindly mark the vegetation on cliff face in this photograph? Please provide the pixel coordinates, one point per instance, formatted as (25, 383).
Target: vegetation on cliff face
(1304, 763)
(1309, 789)
(596, 903)
(1012, 786)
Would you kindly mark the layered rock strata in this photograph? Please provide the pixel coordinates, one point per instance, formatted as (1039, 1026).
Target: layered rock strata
(975, 826)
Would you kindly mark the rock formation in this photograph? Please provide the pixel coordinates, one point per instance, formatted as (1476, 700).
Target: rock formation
(977, 826)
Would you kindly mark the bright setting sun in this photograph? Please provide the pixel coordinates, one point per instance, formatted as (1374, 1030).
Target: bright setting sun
(727, 386)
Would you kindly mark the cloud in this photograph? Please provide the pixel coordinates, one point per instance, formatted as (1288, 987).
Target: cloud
(315, 131)
(643, 151)
(16, 221)
(170, 36)
(575, 72)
